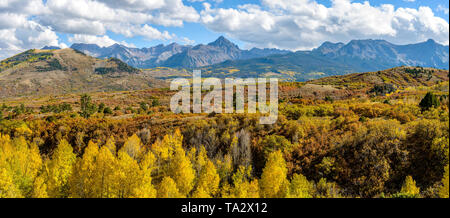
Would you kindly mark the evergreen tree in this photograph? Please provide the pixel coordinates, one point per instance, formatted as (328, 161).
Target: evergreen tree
(87, 107)
(430, 100)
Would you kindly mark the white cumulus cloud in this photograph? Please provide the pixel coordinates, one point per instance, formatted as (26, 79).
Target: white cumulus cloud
(28, 35)
(96, 17)
(26, 24)
(18, 32)
(304, 24)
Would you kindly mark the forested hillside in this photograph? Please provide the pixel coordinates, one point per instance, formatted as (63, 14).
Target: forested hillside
(348, 136)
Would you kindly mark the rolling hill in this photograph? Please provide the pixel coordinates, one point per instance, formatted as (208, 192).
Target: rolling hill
(49, 72)
(398, 77)
(377, 83)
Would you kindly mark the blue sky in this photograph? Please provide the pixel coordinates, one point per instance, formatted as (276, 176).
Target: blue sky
(284, 24)
(200, 34)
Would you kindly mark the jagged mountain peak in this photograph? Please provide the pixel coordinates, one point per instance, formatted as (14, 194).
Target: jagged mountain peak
(329, 47)
(368, 42)
(223, 42)
(117, 45)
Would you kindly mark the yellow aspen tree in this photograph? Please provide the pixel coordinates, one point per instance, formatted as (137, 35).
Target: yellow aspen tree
(245, 189)
(25, 164)
(443, 191)
(172, 161)
(225, 167)
(111, 145)
(226, 191)
(201, 160)
(7, 187)
(104, 181)
(127, 174)
(192, 154)
(133, 147)
(5, 140)
(35, 161)
(165, 148)
(176, 141)
(300, 187)
(273, 183)
(241, 184)
(60, 169)
(39, 188)
(208, 180)
(253, 189)
(164, 151)
(200, 193)
(182, 172)
(82, 179)
(409, 188)
(161, 152)
(146, 188)
(168, 189)
(23, 130)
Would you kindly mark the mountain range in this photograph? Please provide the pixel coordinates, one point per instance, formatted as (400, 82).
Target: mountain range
(337, 59)
(175, 55)
(222, 57)
(375, 54)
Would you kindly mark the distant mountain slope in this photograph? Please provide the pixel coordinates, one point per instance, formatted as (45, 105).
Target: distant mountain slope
(298, 66)
(141, 58)
(337, 59)
(175, 55)
(44, 72)
(371, 55)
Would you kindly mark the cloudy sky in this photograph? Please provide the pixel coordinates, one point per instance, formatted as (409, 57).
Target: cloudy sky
(285, 24)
